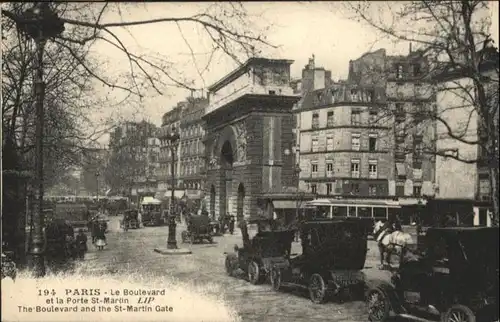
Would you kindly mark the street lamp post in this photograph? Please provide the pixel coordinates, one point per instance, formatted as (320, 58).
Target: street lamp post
(40, 23)
(97, 174)
(296, 173)
(173, 142)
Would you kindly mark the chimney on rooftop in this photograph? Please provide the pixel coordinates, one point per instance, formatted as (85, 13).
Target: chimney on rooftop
(311, 62)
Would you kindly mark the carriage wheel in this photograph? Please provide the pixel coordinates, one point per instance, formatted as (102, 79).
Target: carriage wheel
(459, 313)
(317, 289)
(254, 273)
(276, 279)
(378, 306)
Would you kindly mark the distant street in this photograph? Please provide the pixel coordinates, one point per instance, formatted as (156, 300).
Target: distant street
(133, 251)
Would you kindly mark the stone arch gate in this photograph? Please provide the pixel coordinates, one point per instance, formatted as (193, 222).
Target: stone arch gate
(245, 145)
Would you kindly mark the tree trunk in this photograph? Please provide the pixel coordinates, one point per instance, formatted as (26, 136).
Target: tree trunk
(494, 176)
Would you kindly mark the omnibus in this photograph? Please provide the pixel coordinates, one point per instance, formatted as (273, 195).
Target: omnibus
(378, 209)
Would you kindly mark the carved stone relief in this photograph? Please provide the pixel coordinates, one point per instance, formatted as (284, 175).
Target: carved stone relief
(213, 161)
(240, 132)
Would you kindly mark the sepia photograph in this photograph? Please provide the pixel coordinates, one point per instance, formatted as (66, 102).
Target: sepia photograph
(250, 161)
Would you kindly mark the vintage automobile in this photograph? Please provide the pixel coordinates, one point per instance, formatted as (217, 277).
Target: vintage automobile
(130, 220)
(255, 258)
(333, 255)
(454, 278)
(198, 229)
(151, 212)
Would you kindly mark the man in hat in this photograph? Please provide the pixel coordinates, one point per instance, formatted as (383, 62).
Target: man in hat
(81, 244)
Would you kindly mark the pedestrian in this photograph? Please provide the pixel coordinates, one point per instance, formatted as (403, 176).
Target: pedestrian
(231, 224)
(101, 237)
(81, 244)
(222, 222)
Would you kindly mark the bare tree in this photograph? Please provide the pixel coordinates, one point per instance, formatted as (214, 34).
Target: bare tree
(227, 25)
(454, 36)
(68, 95)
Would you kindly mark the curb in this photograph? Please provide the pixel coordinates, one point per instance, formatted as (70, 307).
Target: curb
(178, 251)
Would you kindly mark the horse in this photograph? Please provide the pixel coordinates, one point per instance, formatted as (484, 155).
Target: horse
(390, 241)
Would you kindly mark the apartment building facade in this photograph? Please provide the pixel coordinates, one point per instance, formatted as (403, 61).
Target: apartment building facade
(350, 138)
(171, 121)
(192, 149)
(344, 148)
(457, 179)
(132, 146)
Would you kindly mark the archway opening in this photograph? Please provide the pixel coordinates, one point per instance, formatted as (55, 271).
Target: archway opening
(212, 202)
(225, 194)
(227, 155)
(240, 203)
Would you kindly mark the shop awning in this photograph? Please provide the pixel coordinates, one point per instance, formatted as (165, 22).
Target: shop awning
(193, 194)
(150, 201)
(285, 204)
(400, 169)
(177, 194)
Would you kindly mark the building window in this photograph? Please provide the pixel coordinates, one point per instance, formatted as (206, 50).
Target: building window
(400, 110)
(356, 117)
(354, 95)
(372, 190)
(399, 71)
(400, 189)
(314, 167)
(417, 191)
(354, 190)
(314, 188)
(329, 144)
(314, 145)
(372, 169)
(484, 187)
(329, 168)
(315, 120)
(416, 70)
(373, 117)
(330, 119)
(372, 142)
(355, 168)
(371, 95)
(329, 188)
(355, 142)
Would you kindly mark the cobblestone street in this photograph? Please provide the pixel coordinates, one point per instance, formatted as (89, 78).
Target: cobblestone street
(132, 251)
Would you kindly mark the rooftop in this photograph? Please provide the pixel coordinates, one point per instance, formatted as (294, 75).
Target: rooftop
(244, 67)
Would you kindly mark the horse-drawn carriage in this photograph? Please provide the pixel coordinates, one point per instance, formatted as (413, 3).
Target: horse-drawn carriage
(60, 244)
(198, 229)
(151, 212)
(130, 220)
(333, 255)
(454, 277)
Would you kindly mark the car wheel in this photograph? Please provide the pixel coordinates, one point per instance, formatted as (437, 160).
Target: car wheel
(254, 273)
(275, 279)
(459, 313)
(317, 289)
(229, 266)
(378, 305)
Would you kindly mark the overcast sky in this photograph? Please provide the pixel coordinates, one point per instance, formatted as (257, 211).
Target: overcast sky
(299, 29)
